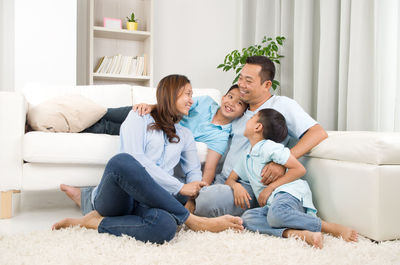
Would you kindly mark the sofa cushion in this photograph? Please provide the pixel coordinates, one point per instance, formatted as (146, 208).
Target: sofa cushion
(76, 148)
(377, 148)
(67, 113)
(109, 96)
(69, 148)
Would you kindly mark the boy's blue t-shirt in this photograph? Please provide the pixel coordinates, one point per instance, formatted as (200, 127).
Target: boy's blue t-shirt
(252, 162)
(198, 121)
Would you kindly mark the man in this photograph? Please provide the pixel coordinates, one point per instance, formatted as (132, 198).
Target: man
(255, 81)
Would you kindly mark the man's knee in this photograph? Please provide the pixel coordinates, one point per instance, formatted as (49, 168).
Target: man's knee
(215, 200)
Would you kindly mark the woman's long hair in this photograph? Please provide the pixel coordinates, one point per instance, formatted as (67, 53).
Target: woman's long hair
(165, 114)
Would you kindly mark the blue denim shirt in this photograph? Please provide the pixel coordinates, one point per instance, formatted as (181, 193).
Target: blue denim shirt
(157, 155)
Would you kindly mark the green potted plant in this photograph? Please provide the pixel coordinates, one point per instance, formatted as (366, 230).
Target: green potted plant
(132, 24)
(269, 47)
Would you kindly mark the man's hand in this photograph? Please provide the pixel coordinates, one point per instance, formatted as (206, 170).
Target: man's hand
(192, 189)
(272, 172)
(143, 108)
(241, 196)
(264, 195)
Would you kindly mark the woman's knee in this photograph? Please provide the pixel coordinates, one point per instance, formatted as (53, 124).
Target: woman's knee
(122, 162)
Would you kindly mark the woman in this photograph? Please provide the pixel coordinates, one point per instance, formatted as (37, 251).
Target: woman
(137, 195)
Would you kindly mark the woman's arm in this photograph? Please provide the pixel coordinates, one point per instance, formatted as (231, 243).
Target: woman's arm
(210, 166)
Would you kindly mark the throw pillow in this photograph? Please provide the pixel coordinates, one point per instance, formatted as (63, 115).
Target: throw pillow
(68, 113)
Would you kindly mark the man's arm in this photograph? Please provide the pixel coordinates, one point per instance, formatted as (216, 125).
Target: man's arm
(311, 138)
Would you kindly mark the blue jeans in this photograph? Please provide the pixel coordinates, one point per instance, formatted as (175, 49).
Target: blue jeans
(111, 122)
(217, 200)
(132, 203)
(285, 212)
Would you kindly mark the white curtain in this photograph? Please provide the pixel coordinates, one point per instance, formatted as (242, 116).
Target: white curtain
(342, 57)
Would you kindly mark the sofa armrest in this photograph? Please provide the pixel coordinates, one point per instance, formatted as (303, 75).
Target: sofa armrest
(13, 108)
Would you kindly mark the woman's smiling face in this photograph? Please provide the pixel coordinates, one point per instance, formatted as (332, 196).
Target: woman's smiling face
(184, 100)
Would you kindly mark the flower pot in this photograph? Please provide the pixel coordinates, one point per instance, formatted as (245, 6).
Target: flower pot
(131, 25)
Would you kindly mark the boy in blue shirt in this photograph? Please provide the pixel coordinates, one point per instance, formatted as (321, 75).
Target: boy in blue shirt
(286, 204)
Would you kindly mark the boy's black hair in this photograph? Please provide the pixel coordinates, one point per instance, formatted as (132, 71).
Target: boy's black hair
(274, 125)
(267, 67)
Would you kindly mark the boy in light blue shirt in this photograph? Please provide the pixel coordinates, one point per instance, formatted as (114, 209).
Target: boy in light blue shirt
(286, 204)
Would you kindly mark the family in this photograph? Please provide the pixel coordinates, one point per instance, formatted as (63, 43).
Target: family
(259, 187)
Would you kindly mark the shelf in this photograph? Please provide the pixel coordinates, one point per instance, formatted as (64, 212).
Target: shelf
(120, 77)
(122, 34)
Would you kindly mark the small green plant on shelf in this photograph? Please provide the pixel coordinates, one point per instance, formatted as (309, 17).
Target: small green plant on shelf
(269, 47)
(132, 18)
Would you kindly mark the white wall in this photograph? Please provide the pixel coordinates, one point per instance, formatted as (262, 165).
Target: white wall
(192, 37)
(45, 42)
(6, 45)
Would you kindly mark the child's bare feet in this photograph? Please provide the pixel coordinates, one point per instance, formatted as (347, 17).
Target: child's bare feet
(314, 239)
(90, 220)
(72, 192)
(216, 224)
(348, 234)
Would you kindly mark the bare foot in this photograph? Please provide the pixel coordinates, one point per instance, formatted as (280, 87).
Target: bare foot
(314, 239)
(216, 224)
(72, 192)
(348, 234)
(90, 220)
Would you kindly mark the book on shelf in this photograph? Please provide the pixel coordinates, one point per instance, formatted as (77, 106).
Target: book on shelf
(124, 65)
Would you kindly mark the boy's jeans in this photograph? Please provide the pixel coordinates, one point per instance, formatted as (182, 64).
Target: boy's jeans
(285, 212)
(111, 122)
(132, 203)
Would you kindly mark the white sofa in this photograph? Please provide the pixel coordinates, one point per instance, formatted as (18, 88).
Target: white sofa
(354, 176)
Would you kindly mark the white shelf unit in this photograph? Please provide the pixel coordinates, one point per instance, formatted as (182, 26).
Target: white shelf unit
(110, 42)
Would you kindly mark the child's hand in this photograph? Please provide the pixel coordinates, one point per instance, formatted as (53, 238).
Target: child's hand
(241, 196)
(264, 195)
(190, 205)
(143, 108)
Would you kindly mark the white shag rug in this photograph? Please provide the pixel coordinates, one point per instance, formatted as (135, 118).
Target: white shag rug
(82, 246)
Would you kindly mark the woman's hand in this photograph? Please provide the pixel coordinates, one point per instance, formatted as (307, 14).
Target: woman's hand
(241, 196)
(264, 195)
(272, 172)
(143, 108)
(192, 189)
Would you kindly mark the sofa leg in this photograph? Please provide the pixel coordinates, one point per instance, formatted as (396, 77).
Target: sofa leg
(6, 203)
